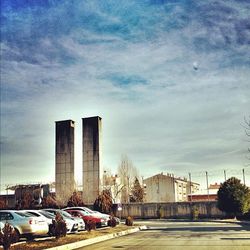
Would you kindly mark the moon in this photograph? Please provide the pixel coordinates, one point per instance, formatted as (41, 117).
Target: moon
(195, 65)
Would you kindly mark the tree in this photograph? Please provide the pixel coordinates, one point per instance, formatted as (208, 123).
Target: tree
(103, 202)
(137, 192)
(27, 201)
(7, 236)
(58, 226)
(127, 172)
(114, 185)
(75, 200)
(49, 202)
(247, 131)
(233, 197)
(2, 203)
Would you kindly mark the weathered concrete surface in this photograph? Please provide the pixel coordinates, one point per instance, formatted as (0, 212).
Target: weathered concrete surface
(65, 132)
(182, 235)
(171, 210)
(84, 243)
(92, 158)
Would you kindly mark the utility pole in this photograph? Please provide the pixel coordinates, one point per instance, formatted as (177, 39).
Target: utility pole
(225, 175)
(190, 181)
(7, 196)
(142, 184)
(207, 186)
(243, 172)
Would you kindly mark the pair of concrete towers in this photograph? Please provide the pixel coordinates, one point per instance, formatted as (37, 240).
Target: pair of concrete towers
(91, 158)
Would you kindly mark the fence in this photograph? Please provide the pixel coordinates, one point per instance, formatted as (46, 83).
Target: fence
(177, 210)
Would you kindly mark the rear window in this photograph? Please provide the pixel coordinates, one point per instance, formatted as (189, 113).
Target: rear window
(6, 216)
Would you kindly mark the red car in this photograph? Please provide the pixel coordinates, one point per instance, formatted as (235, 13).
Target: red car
(87, 217)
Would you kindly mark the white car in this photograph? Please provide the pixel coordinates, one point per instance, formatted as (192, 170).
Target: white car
(24, 224)
(71, 224)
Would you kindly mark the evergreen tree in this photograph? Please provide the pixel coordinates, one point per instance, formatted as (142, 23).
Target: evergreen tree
(49, 202)
(75, 200)
(103, 202)
(136, 192)
(233, 197)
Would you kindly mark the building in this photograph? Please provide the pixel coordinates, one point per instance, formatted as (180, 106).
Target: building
(7, 201)
(37, 191)
(34, 192)
(92, 158)
(167, 188)
(65, 184)
(205, 195)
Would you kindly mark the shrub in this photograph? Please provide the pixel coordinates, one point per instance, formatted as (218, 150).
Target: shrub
(195, 213)
(103, 202)
(90, 225)
(129, 221)
(2, 203)
(161, 212)
(75, 200)
(112, 222)
(58, 227)
(7, 236)
(49, 202)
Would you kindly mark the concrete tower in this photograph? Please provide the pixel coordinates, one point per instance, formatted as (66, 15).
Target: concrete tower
(92, 158)
(65, 131)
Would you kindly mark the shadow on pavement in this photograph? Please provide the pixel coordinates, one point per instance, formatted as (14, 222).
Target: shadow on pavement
(199, 229)
(235, 238)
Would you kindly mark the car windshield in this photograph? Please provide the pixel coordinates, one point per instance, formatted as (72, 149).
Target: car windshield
(89, 210)
(23, 214)
(84, 212)
(66, 214)
(47, 214)
(33, 214)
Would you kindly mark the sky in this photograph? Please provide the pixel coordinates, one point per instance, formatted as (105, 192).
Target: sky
(170, 80)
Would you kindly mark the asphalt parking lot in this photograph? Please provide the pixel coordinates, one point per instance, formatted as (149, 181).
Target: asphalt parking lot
(179, 235)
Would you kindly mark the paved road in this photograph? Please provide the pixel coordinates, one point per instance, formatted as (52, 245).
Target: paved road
(182, 236)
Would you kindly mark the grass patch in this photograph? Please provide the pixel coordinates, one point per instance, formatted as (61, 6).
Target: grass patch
(41, 244)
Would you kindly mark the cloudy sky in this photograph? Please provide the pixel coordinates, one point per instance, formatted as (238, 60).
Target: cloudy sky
(169, 78)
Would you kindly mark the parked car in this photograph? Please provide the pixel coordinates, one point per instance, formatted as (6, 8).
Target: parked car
(104, 217)
(46, 216)
(116, 218)
(36, 213)
(24, 224)
(80, 222)
(71, 223)
(1, 226)
(87, 217)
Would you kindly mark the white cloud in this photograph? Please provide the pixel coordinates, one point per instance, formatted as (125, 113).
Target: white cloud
(178, 119)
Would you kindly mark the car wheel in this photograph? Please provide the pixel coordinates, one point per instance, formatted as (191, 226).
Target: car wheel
(29, 237)
(16, 235)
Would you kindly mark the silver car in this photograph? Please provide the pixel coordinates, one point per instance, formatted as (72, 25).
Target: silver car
(24, 224)
(42, 214)
(71, 224)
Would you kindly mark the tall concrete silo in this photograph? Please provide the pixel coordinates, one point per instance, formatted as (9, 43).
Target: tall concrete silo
(65, 184)
(92, 158)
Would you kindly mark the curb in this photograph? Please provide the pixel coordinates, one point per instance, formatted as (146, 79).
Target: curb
(87, 242)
